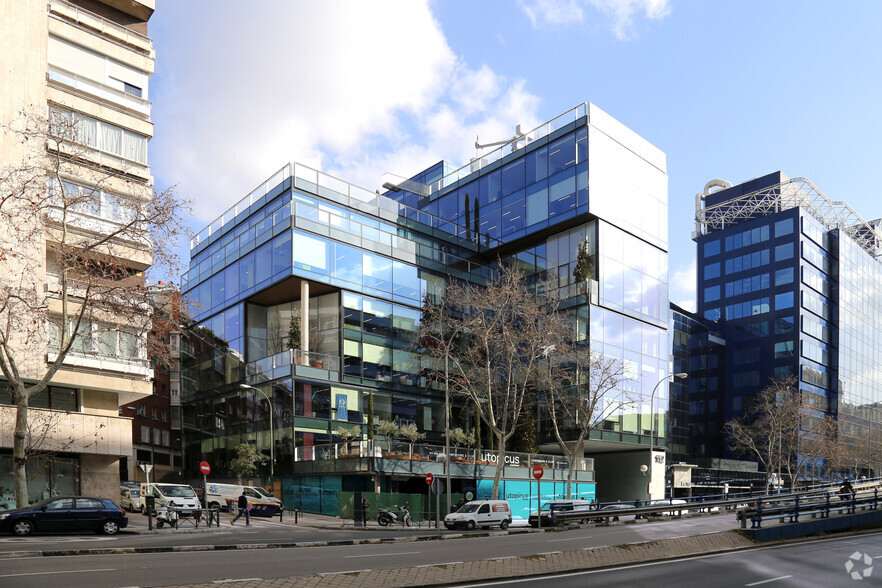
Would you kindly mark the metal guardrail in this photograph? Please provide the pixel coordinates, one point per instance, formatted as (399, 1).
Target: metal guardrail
(823, 504)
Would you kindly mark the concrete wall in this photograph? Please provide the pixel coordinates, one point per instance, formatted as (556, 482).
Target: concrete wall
(99, 476)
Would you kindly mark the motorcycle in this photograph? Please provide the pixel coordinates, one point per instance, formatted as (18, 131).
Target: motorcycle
(386, 517)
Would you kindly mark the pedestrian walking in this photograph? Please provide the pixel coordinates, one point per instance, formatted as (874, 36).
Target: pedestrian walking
(243, 509)
(364, 509)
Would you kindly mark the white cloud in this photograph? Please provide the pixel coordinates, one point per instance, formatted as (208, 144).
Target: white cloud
(622, 12)
(353, 88)
(682, 286)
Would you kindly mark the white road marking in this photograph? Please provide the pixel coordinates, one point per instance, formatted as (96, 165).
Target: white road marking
(570, 539)
(230, 581)
(769, 580)
(381, 554)
(65, 572)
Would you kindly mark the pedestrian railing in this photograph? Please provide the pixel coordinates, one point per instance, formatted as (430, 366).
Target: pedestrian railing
(815, 505)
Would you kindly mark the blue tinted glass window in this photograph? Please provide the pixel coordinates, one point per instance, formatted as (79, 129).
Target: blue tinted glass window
(513, 176)
(712, 248)
(537, 203)
(582, 183)
(490, 187)
(448, 205)
(377, 272)
(783, 252)
(310, 253)
(711, 270)
(711, 293)
(784, 276)
(582, 145)
(490, 220)
(281, 253)
(347, 263)
(406, 281)
(784, 300)
(561, 154)
(537, 165)
(246, 272)
(562, 192)
(513, 217)
(232, 323)
(217, 288)
(231, 280)
(263, 263)
(784, 227)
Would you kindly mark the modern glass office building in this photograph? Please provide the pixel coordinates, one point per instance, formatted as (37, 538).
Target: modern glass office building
(793, 280)
(356, 265)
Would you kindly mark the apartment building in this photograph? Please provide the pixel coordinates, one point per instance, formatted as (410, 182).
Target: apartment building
(85, 65)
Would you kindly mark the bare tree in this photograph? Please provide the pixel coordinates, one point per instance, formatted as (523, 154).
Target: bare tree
(75, 241)
(491, 337)
(582, 390)
(782, 431)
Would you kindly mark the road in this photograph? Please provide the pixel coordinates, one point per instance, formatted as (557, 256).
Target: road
(164, 569)
(816, 563)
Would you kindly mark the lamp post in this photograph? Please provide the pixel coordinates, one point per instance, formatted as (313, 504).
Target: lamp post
(679, 376)
(272, 432)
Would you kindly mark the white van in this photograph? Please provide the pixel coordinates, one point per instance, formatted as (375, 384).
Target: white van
(178, 495)
(219, 494)
(480, 513)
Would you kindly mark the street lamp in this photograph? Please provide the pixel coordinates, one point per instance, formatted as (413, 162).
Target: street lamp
(679, 376)
(272, 432)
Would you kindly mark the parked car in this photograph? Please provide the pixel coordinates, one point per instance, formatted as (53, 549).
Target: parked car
(621, 517)
(66, 513)
(130, 498)
(480, 513)
(559, 506)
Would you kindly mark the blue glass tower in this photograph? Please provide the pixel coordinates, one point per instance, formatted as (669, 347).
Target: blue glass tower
(792, 279)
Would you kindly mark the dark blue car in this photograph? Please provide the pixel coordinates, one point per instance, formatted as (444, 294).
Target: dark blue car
(65, 513)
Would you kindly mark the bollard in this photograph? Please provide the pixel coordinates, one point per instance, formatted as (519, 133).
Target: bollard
(826, 513)
(794, 518)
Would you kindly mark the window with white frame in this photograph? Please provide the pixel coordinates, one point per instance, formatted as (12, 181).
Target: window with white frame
(93, 202)
(98, 134)
(101, 339)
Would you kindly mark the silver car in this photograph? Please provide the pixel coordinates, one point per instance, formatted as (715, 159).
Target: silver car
(130, 498)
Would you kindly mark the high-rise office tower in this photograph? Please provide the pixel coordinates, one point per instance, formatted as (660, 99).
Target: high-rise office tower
(793, 281)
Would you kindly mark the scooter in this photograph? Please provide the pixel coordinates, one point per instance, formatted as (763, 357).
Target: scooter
(387, 517)
(166, 515)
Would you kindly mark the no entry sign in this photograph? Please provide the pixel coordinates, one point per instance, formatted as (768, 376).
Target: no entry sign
(538, 471)
(204, 468)
(429, 478)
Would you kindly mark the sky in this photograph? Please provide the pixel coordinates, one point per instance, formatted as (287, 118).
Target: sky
(727, 89)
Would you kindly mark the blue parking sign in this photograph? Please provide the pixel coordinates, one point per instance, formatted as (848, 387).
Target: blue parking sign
(342, 412)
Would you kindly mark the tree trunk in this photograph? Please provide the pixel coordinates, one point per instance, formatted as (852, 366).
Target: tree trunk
(19, 451)
(571, 460)
(500, 463)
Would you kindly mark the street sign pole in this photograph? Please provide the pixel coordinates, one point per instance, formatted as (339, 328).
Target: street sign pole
(205, 469)
(538, 472)
(437, 506)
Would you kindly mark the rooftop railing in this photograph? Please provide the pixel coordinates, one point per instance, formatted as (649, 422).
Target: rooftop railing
(518, 142)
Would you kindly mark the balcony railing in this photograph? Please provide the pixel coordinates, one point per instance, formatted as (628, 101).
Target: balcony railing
(76, 432)
(294, 362)
(84, 85)
(108, 28)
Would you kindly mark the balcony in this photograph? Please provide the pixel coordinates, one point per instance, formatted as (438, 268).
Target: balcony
(294, 363)
(105, 363)
(74, 432)
(77, 84)
(102, 26)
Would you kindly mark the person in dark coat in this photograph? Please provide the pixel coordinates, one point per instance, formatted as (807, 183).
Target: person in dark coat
(243, 509)
(365, 504)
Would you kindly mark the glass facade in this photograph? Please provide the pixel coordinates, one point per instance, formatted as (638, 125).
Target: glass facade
(797, 297)
(363, 264)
